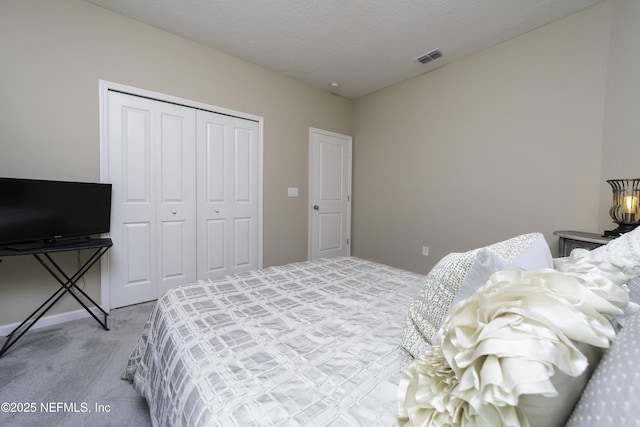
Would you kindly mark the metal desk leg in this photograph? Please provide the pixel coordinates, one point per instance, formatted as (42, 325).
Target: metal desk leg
(66, 285)
(69, 284)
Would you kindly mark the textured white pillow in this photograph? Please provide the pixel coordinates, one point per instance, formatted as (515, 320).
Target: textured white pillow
(486, 263)
(596, 263)
(623, 253)
(429, 309)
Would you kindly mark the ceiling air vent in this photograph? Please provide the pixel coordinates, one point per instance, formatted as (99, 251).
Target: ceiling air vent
(430, 56)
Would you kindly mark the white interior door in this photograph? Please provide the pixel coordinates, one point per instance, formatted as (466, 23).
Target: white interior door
(329, 194)
(151, 168)
(228, 194)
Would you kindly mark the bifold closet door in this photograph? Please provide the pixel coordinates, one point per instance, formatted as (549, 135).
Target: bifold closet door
(152, 149)
(228, 194)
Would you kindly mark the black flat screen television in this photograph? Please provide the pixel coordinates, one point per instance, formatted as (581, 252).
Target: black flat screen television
(33, 211)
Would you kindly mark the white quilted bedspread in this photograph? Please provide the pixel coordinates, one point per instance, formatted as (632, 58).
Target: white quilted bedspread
(312, 343)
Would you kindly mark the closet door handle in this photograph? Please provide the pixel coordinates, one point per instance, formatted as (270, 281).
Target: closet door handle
(316, 207)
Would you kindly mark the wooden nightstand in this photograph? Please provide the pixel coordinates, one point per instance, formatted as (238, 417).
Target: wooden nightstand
(570, 240)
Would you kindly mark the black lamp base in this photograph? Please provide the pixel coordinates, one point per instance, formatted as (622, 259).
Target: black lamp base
(622, 228)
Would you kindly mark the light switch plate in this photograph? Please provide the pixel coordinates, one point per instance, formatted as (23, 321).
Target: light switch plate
(292, 192)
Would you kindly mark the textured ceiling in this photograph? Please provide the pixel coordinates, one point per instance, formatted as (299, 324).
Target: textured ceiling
(364, 45)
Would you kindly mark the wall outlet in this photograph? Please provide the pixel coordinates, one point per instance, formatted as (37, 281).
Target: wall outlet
(425, 250)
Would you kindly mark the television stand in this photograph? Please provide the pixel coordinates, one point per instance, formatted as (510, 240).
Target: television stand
(68, 284)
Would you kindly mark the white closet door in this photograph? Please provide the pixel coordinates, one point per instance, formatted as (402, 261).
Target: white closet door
(228, 194)
(176, 196)
(151, 168)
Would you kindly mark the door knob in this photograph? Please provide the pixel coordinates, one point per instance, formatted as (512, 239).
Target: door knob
(316, 207)
(174, 212)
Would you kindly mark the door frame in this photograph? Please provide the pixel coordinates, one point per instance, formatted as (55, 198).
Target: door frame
(103, 90)
(349, 140)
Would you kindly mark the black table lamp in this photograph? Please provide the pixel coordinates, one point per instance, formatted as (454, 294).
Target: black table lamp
(625, 212)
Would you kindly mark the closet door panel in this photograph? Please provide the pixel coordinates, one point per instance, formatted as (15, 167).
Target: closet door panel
(152, 171)
(135, 154)
(245, 191)
(213, 203)
(174, 266)
(242, 254)
(133, 231)
(137, 246)
(176, 196)
(242, 166)
(227, 194)
(215, 261)
(214, 149)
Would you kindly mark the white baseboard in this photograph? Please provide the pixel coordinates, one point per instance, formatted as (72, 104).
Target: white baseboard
(52, 320)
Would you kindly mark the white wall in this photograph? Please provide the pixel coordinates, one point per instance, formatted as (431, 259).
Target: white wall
(502, 142)
(621, 148)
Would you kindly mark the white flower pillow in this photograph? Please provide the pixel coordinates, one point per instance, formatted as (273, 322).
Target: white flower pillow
(465, 272)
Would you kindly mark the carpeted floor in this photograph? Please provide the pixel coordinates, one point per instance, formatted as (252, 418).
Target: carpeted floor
(69, 374)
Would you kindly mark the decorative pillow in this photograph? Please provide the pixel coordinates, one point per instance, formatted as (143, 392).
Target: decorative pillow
(440, 287)
(592, 264)
(623, 252)
(485, 264)
(514, 353)
(611, 395)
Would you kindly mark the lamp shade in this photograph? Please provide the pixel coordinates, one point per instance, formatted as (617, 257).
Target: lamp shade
(625, 210)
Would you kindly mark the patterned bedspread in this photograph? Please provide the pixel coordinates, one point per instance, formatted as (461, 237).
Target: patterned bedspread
(312, 343)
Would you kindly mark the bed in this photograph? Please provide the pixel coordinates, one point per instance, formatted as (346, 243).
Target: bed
(502, 335)
(312, 343)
